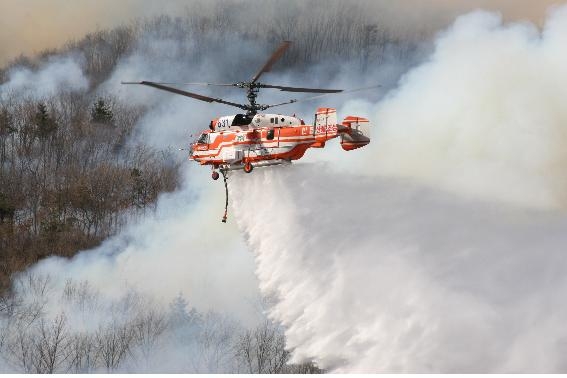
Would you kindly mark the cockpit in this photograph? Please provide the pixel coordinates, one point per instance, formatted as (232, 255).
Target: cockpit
(226, 122)
(203, 139)
(241, 120)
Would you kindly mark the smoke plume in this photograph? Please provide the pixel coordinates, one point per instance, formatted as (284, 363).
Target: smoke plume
(440, 247)
(437, 248)
(57, 74)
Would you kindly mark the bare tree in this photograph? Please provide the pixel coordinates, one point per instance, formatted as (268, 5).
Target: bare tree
(31, 293)
(215, 343)
(82, 353)
(244, 351)
(81, 295)
(20, 350)
(262, 351)
(51, 345)
(147, 328)
(113, 343)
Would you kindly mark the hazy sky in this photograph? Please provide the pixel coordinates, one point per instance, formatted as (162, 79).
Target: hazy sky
(28, 26)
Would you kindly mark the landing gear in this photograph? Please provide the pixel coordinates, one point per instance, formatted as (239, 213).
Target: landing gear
(215, 175)
(248, 167)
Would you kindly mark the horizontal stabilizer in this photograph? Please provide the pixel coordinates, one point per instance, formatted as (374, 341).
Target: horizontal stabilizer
(357, 133)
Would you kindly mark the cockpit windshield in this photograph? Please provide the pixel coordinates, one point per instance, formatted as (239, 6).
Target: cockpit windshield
(203, 139)
(241, 120)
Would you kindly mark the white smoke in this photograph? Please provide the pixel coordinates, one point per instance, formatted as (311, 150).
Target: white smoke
(380, 275)
(56, 74)
(375, 273)
(448, 254)
(183, 247)
(484, 116)
(182, 252)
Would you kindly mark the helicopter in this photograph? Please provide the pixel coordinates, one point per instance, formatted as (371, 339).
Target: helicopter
(257, 139)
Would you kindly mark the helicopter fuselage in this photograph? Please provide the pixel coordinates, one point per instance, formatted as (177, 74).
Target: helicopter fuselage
(270, 139)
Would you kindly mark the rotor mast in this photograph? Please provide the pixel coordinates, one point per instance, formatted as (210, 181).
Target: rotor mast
(252, 89)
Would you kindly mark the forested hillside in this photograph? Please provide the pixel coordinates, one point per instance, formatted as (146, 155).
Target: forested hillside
(72, 173)
(69, 179)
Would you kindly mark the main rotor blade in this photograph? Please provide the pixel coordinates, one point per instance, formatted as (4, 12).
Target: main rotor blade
(293, 101)
(275, 56)
(187, 94)
(199, 84)
(296, 89)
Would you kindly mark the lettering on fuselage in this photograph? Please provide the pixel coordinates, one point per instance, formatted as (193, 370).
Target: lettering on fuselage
(323, 129)
(224, 122)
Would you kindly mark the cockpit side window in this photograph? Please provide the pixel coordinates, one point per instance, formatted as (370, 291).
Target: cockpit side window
(203, 139)
(270, 135)
(241, 120)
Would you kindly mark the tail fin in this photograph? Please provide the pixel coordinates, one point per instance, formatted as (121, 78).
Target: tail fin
(326, 117)
(356, 134)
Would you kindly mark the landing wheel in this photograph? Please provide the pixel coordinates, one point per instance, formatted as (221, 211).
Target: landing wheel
(248, 167)
(215, 175)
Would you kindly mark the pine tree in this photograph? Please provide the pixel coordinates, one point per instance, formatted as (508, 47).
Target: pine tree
(6, 123)
(186, 322)
(44, 123)
(178, 311)
(101, 112)
(7, 209)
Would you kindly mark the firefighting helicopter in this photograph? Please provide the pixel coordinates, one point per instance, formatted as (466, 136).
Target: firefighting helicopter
(257, 139)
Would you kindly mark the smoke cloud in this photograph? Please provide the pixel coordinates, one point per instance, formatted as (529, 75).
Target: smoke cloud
(482, 116)
(57, 74)
(439, 247)
(173, 250)
(169, 252)
(182, 250)
(491, 123)
(383, 275)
